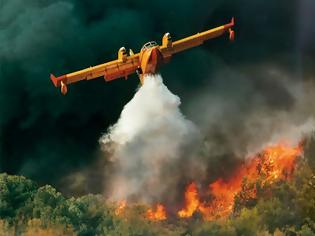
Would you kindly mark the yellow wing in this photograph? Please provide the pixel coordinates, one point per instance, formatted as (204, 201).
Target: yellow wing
(169, 48)
(122, 67)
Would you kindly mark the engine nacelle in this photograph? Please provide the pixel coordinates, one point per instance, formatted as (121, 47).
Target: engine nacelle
(167, 40)
(122, 54)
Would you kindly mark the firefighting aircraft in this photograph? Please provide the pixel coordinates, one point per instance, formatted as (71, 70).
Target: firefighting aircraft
(145, 62)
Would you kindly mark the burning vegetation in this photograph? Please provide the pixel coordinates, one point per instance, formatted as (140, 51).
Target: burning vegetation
(271, 193)
(274, 163)
(159, 213)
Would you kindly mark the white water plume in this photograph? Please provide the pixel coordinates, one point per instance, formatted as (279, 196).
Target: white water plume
(150, 137)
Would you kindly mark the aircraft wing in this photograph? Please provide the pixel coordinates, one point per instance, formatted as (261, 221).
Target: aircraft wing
(110, 71)
(199, 38)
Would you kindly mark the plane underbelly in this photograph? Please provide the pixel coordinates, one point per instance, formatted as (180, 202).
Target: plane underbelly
(151, 60)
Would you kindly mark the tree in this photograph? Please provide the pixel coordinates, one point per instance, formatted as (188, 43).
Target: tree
(16, 194)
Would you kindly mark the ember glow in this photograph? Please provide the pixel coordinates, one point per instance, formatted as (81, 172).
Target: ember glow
(121, 207)
(274, 163)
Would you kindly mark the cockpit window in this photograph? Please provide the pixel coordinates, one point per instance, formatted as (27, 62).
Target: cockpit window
(149, 45)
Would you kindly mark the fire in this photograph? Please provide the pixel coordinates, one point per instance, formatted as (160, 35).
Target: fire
(273, 163)
(158, 214)
(121, 207)
(279, 162)
(192, 202)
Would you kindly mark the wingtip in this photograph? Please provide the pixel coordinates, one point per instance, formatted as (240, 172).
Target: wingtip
(60, 82)
(231, 24)
(54, 80)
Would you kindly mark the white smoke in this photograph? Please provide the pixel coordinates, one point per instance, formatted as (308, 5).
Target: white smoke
(150, 136)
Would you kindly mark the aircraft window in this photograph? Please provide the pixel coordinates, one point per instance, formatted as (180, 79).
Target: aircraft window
(149, 45)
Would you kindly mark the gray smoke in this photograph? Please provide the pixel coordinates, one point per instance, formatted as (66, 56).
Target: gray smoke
(242, 113)
(155, 151)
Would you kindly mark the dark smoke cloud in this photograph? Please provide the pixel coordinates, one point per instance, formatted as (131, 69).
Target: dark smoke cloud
(46, 136)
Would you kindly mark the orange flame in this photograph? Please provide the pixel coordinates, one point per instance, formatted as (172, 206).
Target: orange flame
(274, 163)
(279, 162)
(191, 201)
(158, 214)
(121, 207)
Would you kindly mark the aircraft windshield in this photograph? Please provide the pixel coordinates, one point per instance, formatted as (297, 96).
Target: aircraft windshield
(149, 45)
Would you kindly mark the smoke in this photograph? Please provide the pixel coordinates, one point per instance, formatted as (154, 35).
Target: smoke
(150, 138)
(39, 128)
(155, 151)
(244, 112)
